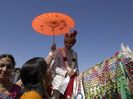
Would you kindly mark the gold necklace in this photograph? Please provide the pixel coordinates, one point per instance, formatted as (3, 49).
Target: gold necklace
(4, 89)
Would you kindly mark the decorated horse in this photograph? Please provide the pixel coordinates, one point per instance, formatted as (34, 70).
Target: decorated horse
(110, 79)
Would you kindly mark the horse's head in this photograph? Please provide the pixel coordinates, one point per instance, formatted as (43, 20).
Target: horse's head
(126, 52)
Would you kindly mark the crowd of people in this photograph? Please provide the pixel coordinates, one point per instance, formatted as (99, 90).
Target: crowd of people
(41, 78)
(8, 90)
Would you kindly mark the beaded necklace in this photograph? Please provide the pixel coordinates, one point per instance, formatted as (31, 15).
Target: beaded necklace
(3, 92)
(79, 94)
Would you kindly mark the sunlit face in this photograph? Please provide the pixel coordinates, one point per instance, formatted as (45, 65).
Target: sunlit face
(6, 68)
(68, 43)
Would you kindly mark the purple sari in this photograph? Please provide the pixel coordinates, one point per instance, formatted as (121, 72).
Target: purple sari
(13, 92)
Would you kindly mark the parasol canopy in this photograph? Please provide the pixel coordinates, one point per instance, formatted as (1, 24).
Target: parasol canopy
(53, 23)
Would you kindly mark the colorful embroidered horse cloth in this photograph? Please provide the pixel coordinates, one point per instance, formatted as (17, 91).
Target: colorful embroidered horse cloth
(108, 79)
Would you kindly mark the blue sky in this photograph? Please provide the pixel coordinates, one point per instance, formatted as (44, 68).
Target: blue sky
(101, 24)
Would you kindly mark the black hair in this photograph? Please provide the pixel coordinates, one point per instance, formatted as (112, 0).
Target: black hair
(32, 73)
(9, 56)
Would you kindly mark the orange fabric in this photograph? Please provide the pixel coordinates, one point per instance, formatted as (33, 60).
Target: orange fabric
(53, 23)
(31, 95)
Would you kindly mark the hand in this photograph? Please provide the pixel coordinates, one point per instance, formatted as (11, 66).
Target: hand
(71, 73)
(53, 47)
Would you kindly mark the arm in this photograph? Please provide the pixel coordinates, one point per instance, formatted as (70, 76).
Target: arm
(49, 58)
(74, 69)
(50, 55)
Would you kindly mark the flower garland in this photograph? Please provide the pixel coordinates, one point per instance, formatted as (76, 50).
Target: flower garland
(71, 66)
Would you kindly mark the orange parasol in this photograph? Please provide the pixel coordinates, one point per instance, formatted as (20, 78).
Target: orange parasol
(53, 23)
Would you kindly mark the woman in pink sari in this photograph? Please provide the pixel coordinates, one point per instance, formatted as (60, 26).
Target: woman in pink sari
(8, 90)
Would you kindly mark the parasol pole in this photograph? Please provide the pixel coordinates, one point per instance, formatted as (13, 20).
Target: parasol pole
(53, 36)
(69, 29)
